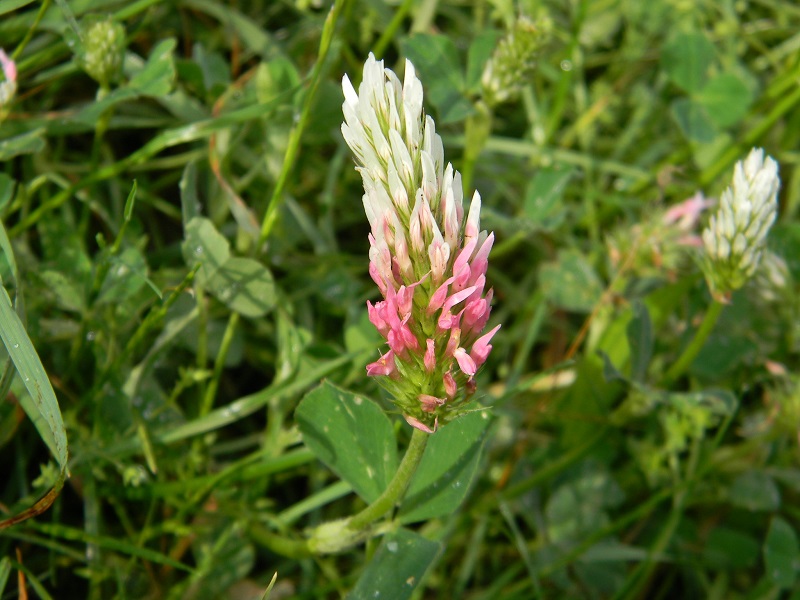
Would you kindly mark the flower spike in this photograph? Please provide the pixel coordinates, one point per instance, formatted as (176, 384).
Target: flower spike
(736, 236)
(428, 256)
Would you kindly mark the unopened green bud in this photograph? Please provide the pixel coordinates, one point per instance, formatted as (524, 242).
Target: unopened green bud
(103, 51)
(736, 236)
(514, 59)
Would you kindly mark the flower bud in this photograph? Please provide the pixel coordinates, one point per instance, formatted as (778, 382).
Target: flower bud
(736, 236)
(514, 59)
(102, 51)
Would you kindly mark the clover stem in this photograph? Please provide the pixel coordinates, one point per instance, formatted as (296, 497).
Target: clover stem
(397, 486)
(691, 351)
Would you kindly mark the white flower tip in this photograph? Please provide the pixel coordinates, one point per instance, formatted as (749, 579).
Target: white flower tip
(754, 160)
(473, 225)
(757, 161)
(350, 95)
(410, 72)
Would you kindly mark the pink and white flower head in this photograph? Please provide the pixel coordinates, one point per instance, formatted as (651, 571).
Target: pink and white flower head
(736, 236)
(427, 257)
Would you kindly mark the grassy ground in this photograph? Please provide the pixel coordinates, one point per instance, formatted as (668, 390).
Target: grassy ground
(186, 248)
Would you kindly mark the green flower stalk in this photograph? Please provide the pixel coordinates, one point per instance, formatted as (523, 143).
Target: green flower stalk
(102, 51)
(736, 236)
(427, 257)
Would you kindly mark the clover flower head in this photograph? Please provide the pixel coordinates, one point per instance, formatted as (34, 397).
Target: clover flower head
(103, 50)
(736, 236)
(427, 257)
(514, 59)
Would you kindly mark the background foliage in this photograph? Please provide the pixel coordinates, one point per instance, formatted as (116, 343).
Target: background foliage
(187, 250)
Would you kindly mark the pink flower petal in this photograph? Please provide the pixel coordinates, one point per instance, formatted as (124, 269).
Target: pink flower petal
(409, 339)
(430, 403)
(439, 296)
(481, 348)
(450, 386)
(473, 225)
(478, 326)
(375, 273)
(472, 313)
(375, 318)
(446, 321)
(463, 257)
(465, 362)
(453, 342)
(461, 277)
(457, 297)
(430, 356)
(396, 343)
(480, 263)
(416, 423)
(383, 366)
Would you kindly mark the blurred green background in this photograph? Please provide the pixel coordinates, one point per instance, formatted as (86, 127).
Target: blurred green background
(182, 317)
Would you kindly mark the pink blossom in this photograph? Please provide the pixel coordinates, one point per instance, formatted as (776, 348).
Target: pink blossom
(456, 298)
(430, 355)
(480, 323)
(416, 423)
(439, 296)
(473, 312)
(482, 347)
(430, 403)
(461, 265)
(481, 260)
(428, 256)
(383, 366)
(453, 342)
(450, 385)
(465, 362)
(687, 213)
(374, 312)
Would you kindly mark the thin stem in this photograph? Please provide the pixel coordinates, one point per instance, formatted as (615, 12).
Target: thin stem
(296, 133)
(389, 33)
(641, 576)
(219, 365)
(278, 543)
(397, 486)
(694, 347)
(33, 27)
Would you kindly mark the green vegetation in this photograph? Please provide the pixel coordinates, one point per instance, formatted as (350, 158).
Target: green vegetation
(184, 406)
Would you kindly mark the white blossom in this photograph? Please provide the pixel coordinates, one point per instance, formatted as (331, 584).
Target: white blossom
(736, 236)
